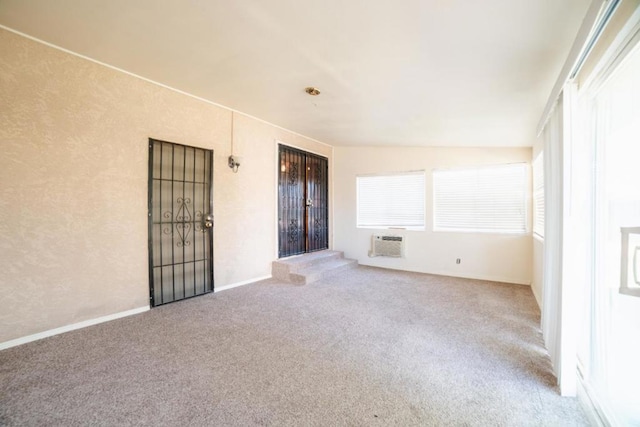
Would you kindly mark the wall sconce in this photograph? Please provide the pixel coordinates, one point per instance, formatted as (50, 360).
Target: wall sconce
(234, 162)
(630, 261)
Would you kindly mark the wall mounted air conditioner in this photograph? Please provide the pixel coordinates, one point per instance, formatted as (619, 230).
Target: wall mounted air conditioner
(391, 246)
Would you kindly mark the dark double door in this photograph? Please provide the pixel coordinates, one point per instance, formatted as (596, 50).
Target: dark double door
(303, 208)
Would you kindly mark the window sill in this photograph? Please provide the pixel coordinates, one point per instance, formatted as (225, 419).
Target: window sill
(634, 292)
(507, 233)
(372, 227)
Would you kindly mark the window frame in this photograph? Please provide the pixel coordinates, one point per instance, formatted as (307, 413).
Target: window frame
(537, 171)
(526, 197)
(423, 208)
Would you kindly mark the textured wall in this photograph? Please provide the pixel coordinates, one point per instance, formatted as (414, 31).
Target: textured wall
(501, 257)
(73, 186)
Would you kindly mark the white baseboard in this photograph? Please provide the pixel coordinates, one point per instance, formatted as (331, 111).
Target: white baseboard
(244, 282)
(72, 327)
(488, 278)
(589, 404)
(537, 297)
(91, 322)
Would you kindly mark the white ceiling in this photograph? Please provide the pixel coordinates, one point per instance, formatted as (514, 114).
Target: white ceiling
(391, 72)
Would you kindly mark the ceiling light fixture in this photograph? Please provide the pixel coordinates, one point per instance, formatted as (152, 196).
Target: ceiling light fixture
(313, 91)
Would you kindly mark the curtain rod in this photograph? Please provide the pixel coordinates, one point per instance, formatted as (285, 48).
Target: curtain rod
(598, 16)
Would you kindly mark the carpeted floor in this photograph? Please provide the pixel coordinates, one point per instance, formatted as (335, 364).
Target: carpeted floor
(369, 347)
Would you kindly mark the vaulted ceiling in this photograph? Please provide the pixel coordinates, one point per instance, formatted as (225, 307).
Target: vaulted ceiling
(390, 72)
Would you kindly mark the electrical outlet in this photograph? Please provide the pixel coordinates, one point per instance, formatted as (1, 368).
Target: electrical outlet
(457, 260)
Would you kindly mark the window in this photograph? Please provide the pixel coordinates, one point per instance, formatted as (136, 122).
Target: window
(391, 200)
(484, 199)
(610, 348)
(538, 195)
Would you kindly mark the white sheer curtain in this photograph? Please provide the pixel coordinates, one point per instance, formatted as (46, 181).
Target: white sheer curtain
(552, 288)
(564, 254)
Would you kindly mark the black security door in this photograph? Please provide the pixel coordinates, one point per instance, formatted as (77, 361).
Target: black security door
(180, 222)
(302, 202)
(317, 203)
(291, 206)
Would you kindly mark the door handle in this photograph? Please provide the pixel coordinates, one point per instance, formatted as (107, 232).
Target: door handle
(208, 223)
(309, 202)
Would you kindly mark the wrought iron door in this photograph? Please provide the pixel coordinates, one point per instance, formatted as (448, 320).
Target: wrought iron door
(303, 202)
(180, 222)
(317, 203)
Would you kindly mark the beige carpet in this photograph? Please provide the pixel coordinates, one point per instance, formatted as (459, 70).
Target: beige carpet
(370, 347)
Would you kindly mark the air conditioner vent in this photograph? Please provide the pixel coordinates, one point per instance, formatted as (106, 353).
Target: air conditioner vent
(390, 246)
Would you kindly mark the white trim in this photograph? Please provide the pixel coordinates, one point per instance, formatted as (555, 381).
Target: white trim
(478, 167)
(40, 335)
(306, 150)
(393, 173)
(596, 416)
(479, 231)
(486, 278)
(157, 83)
(537, 297)
(244, 282)
(46, 334)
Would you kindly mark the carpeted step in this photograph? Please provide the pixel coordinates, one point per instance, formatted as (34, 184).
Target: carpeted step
(316, 272)
(282, 268)
(310, 259)
(307, 268)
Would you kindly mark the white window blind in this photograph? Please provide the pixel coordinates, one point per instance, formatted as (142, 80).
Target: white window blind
(486, 199)
(538, 195)
(392, 200)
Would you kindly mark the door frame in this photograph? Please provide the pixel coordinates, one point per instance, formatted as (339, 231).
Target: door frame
(150, 143)
(276, 174)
